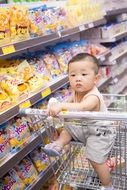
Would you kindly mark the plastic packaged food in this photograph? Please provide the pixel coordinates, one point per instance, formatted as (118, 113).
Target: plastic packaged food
(19, 23)
(18, 132)
(4, 143)
(4, 25)
(52, 65)
(26, 171)
(39, 159)
(11, 182)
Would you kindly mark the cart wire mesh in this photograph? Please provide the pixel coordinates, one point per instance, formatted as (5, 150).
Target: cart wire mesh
(73, 168)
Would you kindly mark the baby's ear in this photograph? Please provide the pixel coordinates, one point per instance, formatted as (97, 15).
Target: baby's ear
(98, 76)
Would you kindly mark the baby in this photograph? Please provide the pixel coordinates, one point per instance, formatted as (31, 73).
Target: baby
(83, 76)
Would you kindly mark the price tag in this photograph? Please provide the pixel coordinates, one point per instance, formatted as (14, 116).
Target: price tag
(46, 92)
(25, 104)
(8, 49)
(82, 28)
(102, 58)
(91, 25)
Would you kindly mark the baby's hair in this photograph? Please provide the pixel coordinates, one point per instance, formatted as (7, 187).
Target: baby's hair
(86, 57)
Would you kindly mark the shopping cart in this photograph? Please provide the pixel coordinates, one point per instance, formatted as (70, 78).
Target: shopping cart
(72, 168)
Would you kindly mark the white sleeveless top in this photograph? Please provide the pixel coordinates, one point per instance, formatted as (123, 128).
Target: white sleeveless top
(94, 92)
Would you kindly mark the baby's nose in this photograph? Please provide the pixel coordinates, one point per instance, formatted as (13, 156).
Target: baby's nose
(78, 78)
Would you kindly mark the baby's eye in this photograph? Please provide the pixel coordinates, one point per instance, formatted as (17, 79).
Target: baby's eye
(84, 74)
(72, 75)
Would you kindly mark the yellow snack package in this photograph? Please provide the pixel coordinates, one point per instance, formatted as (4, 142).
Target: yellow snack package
(14, 87)
(25, 71)
(26, 171)
(39, 159)
(5, 101)
(19, 23)
(36, 82)
(4, 26)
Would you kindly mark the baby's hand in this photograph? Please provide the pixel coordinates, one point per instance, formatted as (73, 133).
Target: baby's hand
(55, 109)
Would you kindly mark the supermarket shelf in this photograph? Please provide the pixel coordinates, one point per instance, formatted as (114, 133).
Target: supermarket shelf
(14, 158)
(26, 44)
(112, 39)
(116, 11)
(104, 58)
(82, 28)
(43, 177)
(103, 82)
(118, 58)
(119, 87)
(10, 49)
(120, 75)
(34, 98)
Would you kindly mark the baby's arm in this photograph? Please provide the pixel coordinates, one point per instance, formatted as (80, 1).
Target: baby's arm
(90, 103)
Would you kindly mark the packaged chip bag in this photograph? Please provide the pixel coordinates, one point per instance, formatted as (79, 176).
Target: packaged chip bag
(36, 22)
(49, 19)
(63, 55)
(11, 182)
(40, 67)
(4, 142)
(4, 25)
(15, 88)
(52, 65)
(18, 131)
(39, 159)
(19, 23)
(26, 171)
(5, 101)
(25, 71)
(36, 82)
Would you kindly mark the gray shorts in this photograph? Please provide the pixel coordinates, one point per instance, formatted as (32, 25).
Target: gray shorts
(98, 137)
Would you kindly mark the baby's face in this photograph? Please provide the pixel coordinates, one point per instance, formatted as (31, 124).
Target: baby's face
(82, 76)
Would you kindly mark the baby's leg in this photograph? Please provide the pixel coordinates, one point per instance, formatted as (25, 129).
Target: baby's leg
(104, 174)
(64, 138)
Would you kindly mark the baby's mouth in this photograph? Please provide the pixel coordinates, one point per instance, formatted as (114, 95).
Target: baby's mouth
(78, 85)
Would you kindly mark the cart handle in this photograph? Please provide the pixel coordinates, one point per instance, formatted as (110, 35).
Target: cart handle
(113, 116)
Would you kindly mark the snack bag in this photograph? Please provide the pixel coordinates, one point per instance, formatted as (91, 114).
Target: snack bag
(11, 182)
(14, 87)
(63, 55)
(36, 82)
(25, 71)
(49, 20)
(39, 159)
(36, 22)
(40, 67)
(95, 49)
(26, 171)
(52, 65)
(19, 23)
(18, 132)
(4, 25)
(9, 85)
(4, 142)
(60, 18)
(5, 101)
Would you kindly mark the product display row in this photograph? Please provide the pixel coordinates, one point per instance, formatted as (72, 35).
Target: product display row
(20, 23)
